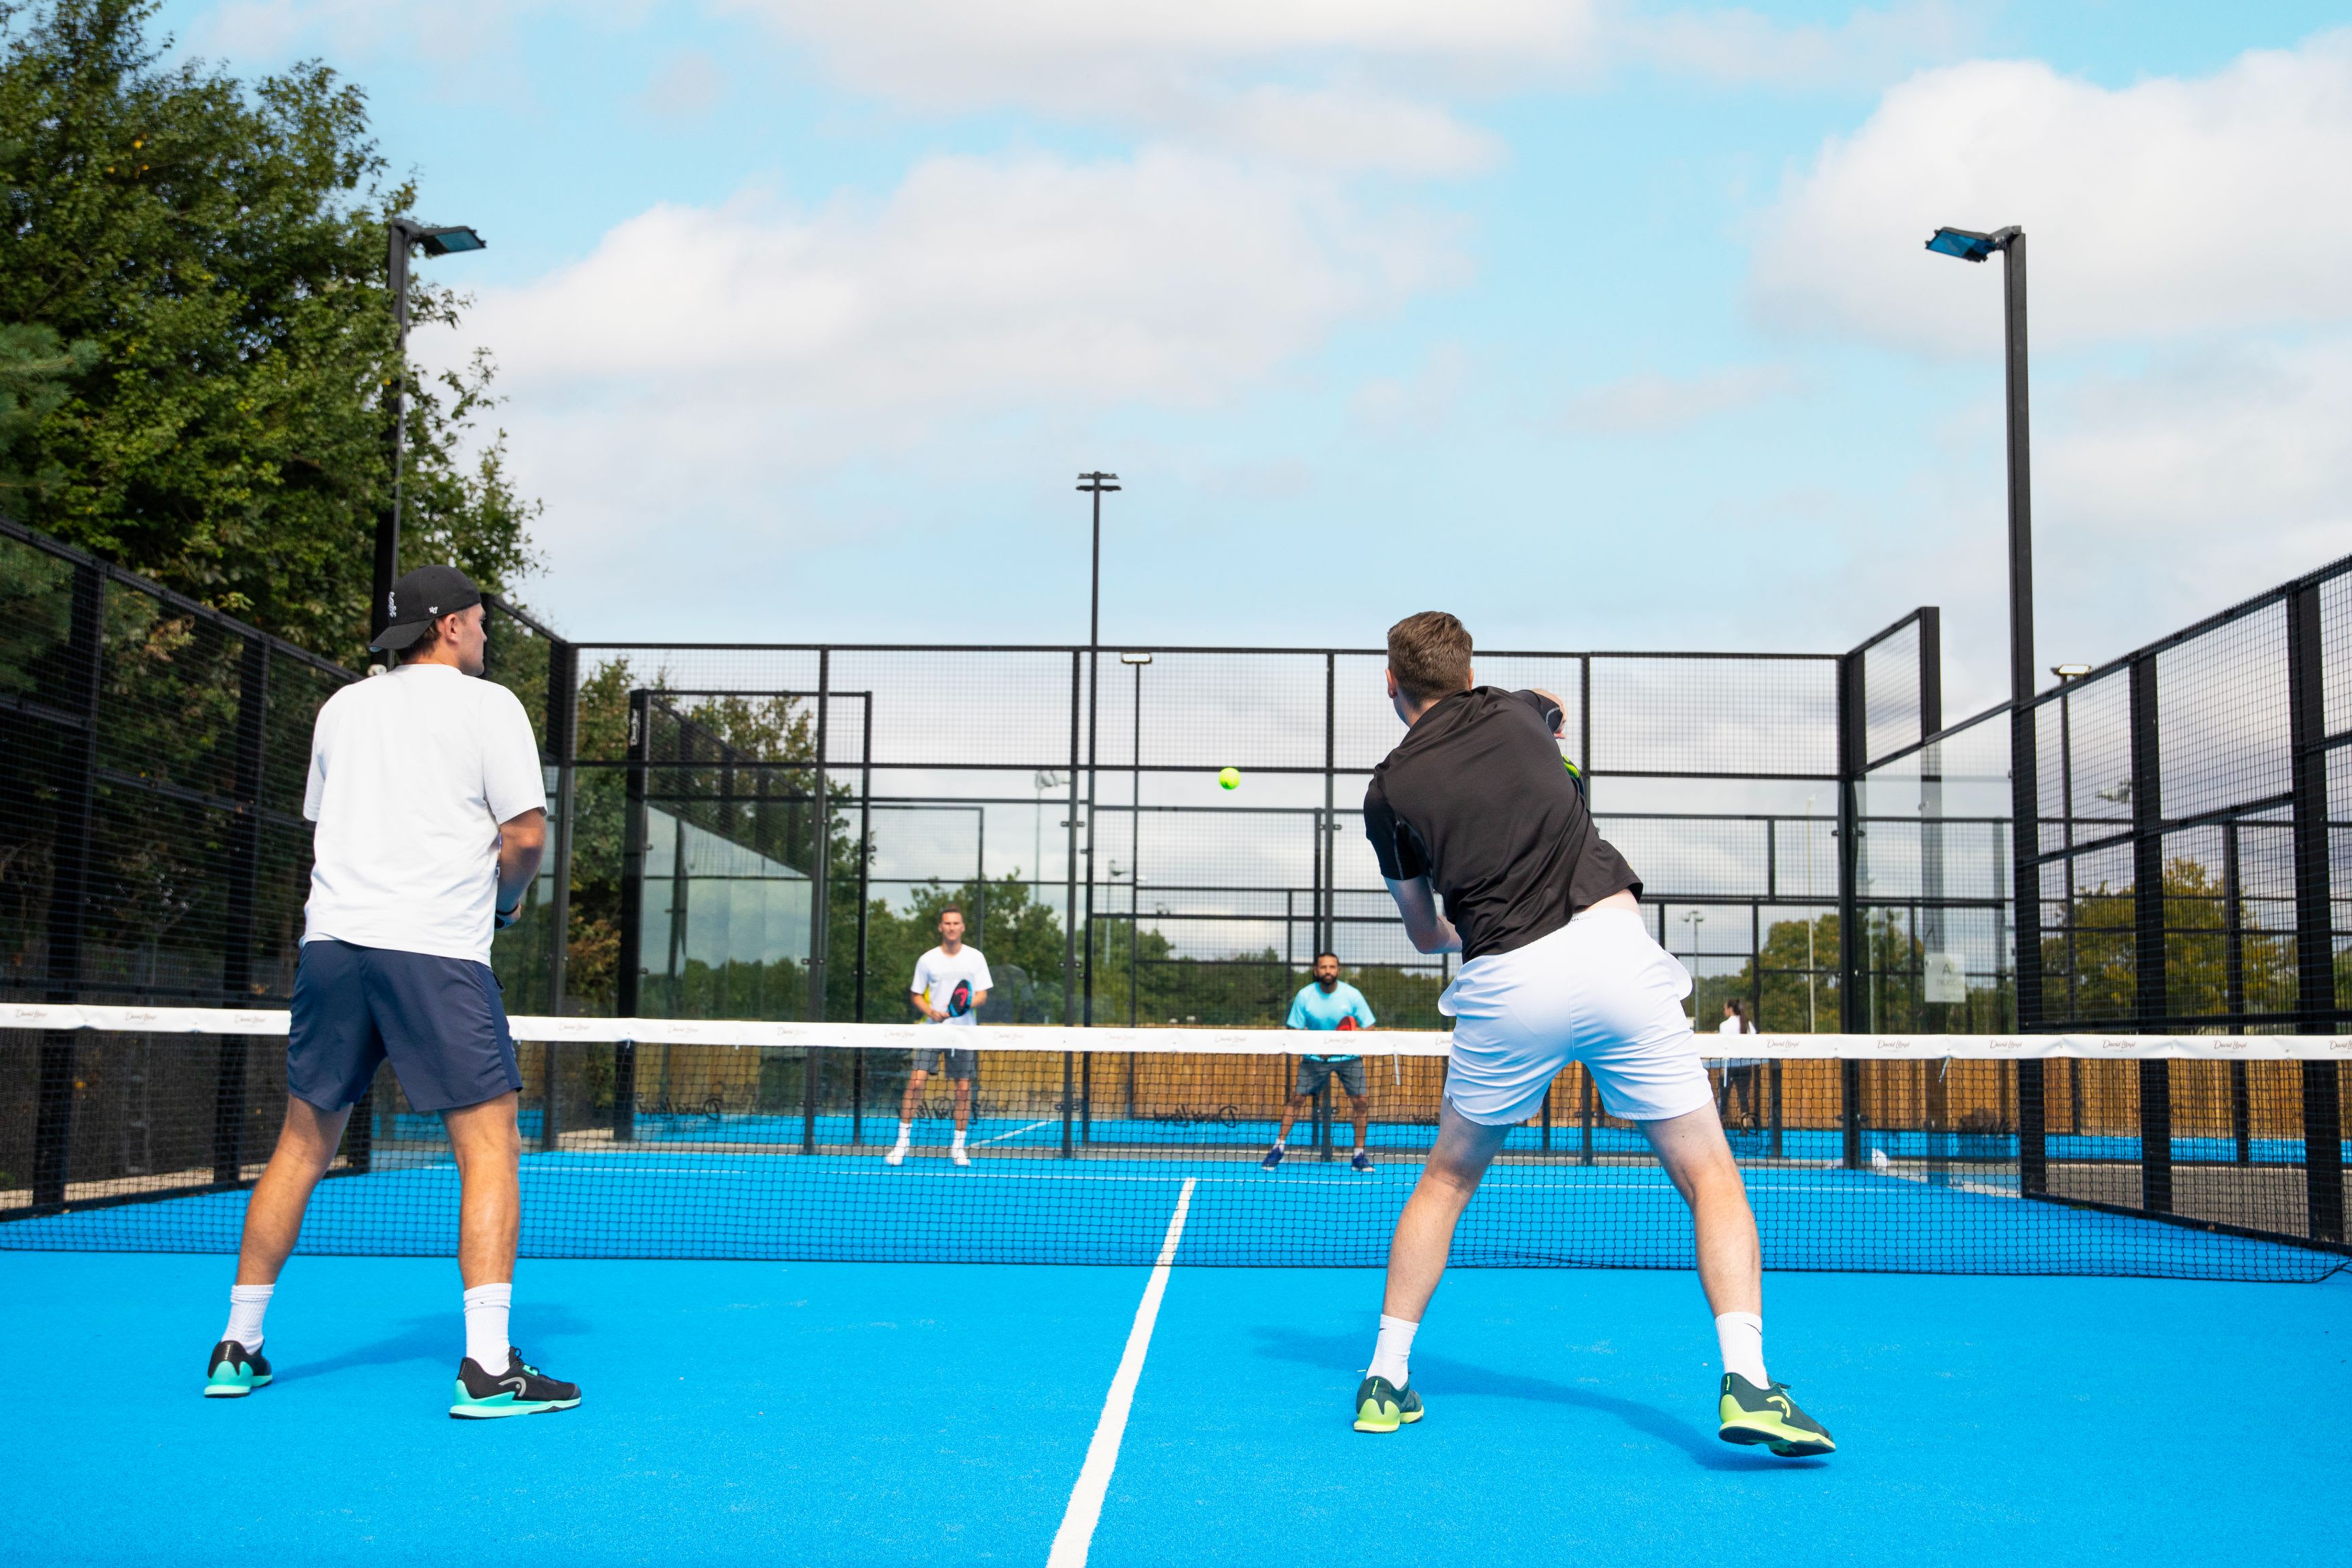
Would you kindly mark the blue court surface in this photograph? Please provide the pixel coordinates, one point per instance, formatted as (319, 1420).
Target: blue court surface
(881, 1413)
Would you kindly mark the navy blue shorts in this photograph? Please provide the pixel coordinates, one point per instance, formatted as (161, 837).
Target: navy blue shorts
(439, 1019)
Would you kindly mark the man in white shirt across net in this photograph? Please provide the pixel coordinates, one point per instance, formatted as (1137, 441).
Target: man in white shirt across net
(951, 984)
(432, 813)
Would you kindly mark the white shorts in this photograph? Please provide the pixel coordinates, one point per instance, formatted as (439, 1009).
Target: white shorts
(1598, 991)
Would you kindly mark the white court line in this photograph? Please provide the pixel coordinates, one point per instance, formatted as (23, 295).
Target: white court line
(1016, 1131)
(1077, 1532)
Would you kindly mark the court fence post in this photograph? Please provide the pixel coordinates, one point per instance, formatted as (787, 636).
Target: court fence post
(2322, 1115)
(563, 745)
(243, 882)
(1585, 1154)
(1852, 948)
(2147, 937)
(629, 969)
(69, 880)
(1067, 1104)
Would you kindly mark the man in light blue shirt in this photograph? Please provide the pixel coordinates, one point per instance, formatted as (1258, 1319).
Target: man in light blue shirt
(1329, 1003)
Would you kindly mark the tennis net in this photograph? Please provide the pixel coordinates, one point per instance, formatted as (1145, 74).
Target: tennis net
(139, 1129)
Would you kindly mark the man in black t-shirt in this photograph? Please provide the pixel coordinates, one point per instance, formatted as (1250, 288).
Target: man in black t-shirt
(1558, 967)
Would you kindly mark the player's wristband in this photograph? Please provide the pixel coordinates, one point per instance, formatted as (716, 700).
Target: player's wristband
(506, 917)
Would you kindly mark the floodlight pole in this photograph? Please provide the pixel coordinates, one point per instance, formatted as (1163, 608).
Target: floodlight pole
(1093, 484)
(2024, 806)
(402, 235)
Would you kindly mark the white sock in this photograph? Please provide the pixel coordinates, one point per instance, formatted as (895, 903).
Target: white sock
(906, 1133)
(958, 1137)
(1389, 1354)
(245, 1305)
(486, 1326)
(1741, 1335)
(1282, 1141)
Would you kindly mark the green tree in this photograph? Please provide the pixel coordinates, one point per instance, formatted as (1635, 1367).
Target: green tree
(200, 332)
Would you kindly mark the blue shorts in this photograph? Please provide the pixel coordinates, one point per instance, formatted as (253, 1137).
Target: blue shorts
(439, 1019)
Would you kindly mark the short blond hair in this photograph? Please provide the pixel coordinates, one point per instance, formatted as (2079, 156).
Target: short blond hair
(1429, 653)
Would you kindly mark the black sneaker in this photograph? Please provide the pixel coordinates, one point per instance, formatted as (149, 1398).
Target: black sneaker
(521, 1390)
(1272, 1157)
(235, 1372)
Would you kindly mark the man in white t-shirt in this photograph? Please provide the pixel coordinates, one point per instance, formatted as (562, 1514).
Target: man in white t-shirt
(432, 812)
(951, 983)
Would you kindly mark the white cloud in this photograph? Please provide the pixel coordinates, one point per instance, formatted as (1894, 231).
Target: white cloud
(722, 363)
(2238, 458)
(1868, 48)
(1649, 403)
(2170, 207)
(1170, 276)
(688, 87)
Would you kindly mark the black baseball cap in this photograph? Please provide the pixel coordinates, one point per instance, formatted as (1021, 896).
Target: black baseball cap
(419, 598)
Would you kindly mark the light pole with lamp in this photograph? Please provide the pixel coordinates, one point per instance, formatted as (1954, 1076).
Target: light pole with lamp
(2024, 813)
(2067, 675)
(402, 235)
(2025, 810)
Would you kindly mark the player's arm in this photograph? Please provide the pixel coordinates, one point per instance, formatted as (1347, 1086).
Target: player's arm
(521, 842)
(1425, 928)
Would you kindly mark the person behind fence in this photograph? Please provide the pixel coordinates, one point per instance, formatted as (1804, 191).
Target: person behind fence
(950, 987)
(1558, 966)
(1739, 1072)
(430, 815)
(1327, 1002)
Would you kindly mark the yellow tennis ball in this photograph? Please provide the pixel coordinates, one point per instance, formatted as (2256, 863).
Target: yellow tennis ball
(1230, 778)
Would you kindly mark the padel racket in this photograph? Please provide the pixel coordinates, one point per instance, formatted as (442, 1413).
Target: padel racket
(960, 1000)
(1348, 1023)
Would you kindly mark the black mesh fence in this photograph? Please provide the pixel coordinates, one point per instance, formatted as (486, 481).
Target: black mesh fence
(1167, 836)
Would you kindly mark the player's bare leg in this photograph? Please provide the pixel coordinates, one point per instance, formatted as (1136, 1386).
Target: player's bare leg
(1424, 1232)
(273, 1216)
(1698, 1161)
(1292, 1109)
(1359, 1109)
(962, 1120)
(908, 1104)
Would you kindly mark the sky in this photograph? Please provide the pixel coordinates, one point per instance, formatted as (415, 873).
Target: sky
(1605, 325)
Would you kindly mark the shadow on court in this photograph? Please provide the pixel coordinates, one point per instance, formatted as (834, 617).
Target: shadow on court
(1444, 1377)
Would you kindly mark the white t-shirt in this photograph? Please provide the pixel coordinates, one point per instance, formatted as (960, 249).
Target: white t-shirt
(1738, 1026)
(936, 975)
(411, 773)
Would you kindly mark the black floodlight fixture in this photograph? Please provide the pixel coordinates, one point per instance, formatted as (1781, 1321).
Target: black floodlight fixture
(1969, 244)
(445, 241)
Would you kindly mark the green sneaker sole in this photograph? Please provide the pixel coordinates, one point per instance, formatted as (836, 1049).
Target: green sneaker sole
(1765, 1431)
(234, 1390)
(1377, 1423)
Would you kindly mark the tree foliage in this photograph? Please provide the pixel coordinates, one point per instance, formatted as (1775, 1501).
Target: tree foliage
(196, 331)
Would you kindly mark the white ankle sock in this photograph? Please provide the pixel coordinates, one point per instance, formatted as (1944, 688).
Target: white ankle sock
(906, 1133)
(486, 1326)
(1741, 1335)
(245, 1305)
(1282, 1142)
(958, 1137)
(1394, 1345)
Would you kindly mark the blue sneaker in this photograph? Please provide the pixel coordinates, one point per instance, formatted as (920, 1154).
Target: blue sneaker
(1273, 1158)
(1362, 1161)
(235, 1372)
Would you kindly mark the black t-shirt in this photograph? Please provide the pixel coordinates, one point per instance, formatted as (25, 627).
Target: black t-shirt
(1476, 798)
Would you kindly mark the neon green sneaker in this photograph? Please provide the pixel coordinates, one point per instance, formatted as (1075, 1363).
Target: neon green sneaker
(235, 1372)
(1382, 1406)
(1767, 1415)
